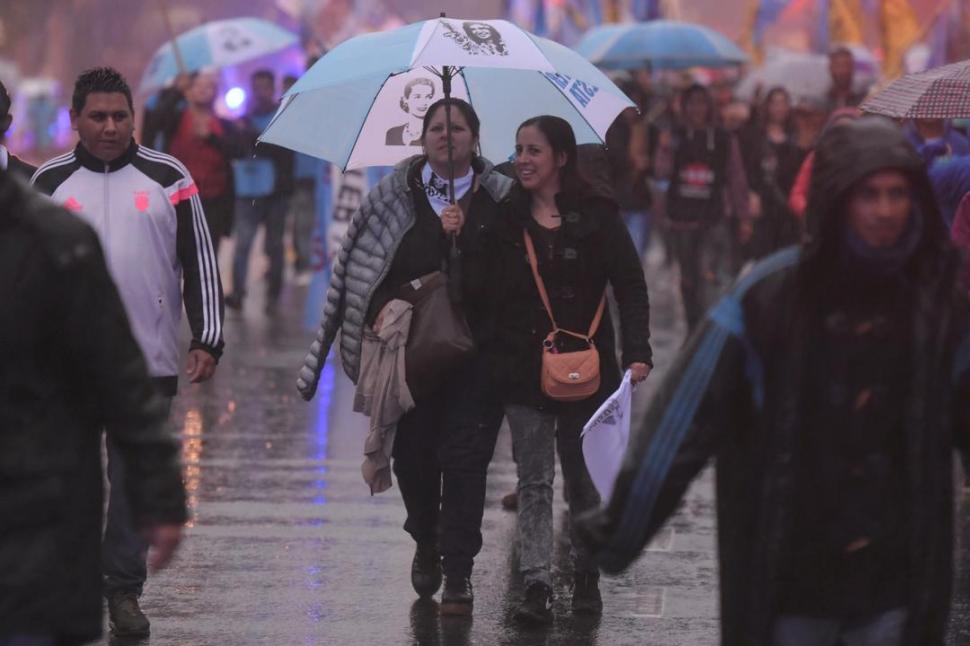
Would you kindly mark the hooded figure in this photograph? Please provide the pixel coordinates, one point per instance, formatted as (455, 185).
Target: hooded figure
(831, 384)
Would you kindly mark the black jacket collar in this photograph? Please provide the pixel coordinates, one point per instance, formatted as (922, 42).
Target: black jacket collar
(579, 213)
(91, 162)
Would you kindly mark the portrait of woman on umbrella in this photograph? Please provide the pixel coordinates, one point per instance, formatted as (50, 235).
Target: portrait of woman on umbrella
(579, 246)
(406, 229)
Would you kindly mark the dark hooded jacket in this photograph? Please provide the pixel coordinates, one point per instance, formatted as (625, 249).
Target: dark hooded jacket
(69, 367)
(740, 392)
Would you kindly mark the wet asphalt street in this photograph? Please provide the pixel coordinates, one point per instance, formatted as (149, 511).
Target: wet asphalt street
(286, 545)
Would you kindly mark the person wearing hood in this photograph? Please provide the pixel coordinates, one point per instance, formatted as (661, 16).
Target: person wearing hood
(707, 183)
(402, 233)
(831, 384)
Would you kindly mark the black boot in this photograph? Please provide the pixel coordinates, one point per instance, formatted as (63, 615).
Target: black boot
(586, 594)
(426, 569)
(458, 596)
(126, 618)
(536, 607)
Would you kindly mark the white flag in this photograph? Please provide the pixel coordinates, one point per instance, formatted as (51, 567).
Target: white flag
(605, 438)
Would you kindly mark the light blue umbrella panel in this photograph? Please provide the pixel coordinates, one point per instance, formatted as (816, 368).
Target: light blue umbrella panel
(362, 104)
(662, 44)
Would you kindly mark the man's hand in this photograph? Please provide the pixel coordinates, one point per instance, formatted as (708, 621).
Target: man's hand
(452, 219)
(200, 366)
(164, 540)
(638, 372)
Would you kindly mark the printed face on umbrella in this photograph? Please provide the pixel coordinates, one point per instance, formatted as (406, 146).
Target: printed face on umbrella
(477, 38)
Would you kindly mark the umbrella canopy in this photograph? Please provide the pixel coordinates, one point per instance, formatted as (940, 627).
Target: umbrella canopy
(362, 104)
(663, 44)
(805, 76)
(939, 93)
(216, 44)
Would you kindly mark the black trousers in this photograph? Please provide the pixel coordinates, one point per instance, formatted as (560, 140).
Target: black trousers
(441, 454)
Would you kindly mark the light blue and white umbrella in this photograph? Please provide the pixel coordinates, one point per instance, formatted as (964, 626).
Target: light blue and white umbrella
(221, 43)
(362, 104)
(662, 44)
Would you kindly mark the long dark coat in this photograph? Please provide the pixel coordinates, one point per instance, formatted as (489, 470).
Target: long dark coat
(737, 393)
(69, 366)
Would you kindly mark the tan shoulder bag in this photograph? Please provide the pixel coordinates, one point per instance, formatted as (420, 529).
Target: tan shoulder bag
(566, 376)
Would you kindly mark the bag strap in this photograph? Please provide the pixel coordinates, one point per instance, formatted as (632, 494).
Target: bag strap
(544, 296)
(540, 285)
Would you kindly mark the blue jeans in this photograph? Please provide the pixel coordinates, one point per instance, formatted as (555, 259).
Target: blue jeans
(885, 629)
(250, 213)
(123, 550)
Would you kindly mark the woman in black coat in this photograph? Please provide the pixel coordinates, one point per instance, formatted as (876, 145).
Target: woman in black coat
(771, 160)
(582, 246)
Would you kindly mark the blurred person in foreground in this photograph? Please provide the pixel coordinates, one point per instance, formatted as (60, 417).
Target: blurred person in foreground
(146, 211)
(69, 367)
(832, 385)
(9, 161)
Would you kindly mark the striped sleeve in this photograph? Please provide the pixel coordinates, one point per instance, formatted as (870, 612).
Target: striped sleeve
(201, 285)
(53, 172)
(695, 405)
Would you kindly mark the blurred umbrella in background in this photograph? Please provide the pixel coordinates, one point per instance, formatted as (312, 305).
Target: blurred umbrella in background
(660, 44)
(805, 76)
(217, 44)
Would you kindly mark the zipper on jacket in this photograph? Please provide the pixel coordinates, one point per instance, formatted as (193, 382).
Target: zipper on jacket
(107, 212)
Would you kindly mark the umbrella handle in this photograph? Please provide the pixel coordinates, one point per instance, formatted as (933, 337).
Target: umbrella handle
(446, 74)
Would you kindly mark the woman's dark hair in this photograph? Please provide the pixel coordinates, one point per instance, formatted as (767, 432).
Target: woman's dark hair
(562, 139)
(464, 107)
(766, 102)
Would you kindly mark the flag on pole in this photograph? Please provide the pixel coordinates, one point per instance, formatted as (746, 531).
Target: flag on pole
(900, 31)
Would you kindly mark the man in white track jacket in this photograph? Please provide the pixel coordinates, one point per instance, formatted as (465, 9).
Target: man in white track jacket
(146, 211)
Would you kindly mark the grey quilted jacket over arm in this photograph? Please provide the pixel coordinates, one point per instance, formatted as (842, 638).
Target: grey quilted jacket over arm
(375, 231)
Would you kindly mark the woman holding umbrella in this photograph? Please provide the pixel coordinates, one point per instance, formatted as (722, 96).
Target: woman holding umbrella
(580, 246)
(404, 231)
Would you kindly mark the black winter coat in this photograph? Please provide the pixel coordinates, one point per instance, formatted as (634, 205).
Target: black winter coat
(69, 366)
(591, 250)
(738, 392)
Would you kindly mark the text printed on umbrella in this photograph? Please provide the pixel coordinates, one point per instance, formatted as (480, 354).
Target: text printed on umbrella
(581, 91)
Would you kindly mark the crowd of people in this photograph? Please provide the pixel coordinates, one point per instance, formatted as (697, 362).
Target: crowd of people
(827, 363)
